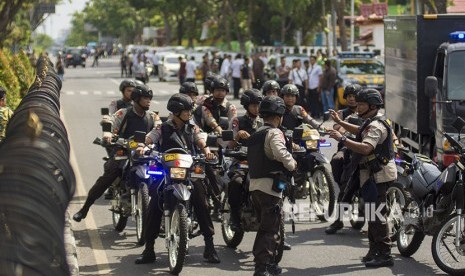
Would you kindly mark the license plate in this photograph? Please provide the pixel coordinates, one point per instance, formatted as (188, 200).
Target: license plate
(170, 157)
(121, 157)
(243, 166)
(197, 175)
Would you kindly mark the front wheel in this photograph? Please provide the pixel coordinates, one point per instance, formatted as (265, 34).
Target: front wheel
(280, 248)
(177, 248)
(142, 207)
(396, 197)
(231, 238)
(322, 195)
(446, 255)
(119, 221)
(410, 236)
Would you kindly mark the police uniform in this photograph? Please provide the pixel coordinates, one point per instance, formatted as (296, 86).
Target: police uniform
(118, 104)
(168, 136)
(5, 115)
(297, 115)
(125, 122)
(377, 132)
(235, 188)
(210, 113)
(267, 154)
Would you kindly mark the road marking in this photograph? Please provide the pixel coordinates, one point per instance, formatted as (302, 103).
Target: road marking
(83, 92)
(97, 92)
(100, 255)
(110, 92)
(69, 92)
(163, 92)
(114, 81)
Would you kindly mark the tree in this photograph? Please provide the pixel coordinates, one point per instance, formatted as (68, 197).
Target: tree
(44, 41)
(78, 35)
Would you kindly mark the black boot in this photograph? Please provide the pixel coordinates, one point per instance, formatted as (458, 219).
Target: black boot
(274, 269)
(287, 246)
(109, 194)
(334, 227)
(370, 255)
(380, 260)
(147, 256)
(210, 253)
(81, 214)
(235, 221)
(261, 270)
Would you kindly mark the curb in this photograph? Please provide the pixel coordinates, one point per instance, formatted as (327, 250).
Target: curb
(70, 247)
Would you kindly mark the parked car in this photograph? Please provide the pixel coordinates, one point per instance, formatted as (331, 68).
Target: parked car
(75, 56)
(168, 66)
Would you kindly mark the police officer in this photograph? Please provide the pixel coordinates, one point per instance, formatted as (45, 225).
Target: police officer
(184, 128)
(190, 89)
(294, 115)
(125, 123)
(268, 158)
(341, 165)
(125, 87)
(377, 169)
(271, 88)
(242, 128)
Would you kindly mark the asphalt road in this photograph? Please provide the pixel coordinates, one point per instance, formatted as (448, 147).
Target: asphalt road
(103, 251)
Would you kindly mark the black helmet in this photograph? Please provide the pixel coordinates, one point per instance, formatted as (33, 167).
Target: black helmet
(270, 85)
(139, 82)
(272, 105)
(141, 91)
(126, 83)
(188, 87)
(251, 96)
(179, 102)
(220, 83)
(369, 96)
(352, 89)
(290, 89)
(209, 80)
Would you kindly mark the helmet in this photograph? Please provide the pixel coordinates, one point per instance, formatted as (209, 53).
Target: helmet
(290, 89)
(270, 85)
(272, 105)
(209, 80)
(188, 87)
(141, 91)
(251, 96)
(139, 82)
(126, 83)
(352, 89)
(369, 96)
(220, 83)
(179, 102)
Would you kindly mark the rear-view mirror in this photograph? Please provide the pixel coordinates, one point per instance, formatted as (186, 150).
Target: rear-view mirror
(224, 122)
(139, 136)
(211, 140)
(458, 124)
(431, 86)
(106, 127)
(297, 134)
(104, 111)
(227, 135)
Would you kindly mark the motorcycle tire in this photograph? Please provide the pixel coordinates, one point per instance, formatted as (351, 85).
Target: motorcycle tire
(280, 249)
(230, 237)
(407, 247)
(177, 252)
(119, 221)
(438, 240)
(142, 206)
(322, 172)
(391, 212)
(355, 222)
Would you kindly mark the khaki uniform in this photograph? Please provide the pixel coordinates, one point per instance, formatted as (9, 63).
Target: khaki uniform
(209, 120)
(112, 108)
(117, 118)
(234, 124)
(5, 115)
(299, 112)
(156, 136)
(275, 148)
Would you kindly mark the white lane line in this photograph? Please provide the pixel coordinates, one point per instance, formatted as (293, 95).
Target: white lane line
(83, 92)
(110, 92)
(96, 244)
(97, 92)
(162, 92)
(114, 81)
(69, 92)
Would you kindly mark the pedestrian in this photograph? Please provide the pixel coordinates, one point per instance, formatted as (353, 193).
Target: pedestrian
(5, 113)
(60, 68)
(236, 74)
(123, 64)
(130, 63)
(182, 70)
(374, 142)
(225, 71)
(315, 74)
(205, 68)
(269, 166)
(258, 69)
(215, 64)
(328, 81)
(155, 62)
(191, 66)
(139, 70)
(283, 72)
(298, 76)
(247, 76)
(96, 56)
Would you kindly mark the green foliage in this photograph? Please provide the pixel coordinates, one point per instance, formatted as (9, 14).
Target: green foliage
(78, 35)
(43, 41)
(9, 79)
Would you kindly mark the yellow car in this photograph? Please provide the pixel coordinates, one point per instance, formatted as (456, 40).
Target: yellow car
(357, 68)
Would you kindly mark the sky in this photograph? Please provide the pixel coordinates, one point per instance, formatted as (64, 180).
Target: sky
(61, 19)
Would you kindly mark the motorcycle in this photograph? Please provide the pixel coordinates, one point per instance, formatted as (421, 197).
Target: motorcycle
(128, 199)
(448, 246)
(314, 176)
(248, 218)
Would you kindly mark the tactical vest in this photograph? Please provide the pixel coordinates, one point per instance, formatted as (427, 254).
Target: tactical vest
(290, 120)
(384, 152)
(346, 112)
(260, 165)
(122, 104)
(174, 138)
(246, 124)
(133, 122)
(216, 110)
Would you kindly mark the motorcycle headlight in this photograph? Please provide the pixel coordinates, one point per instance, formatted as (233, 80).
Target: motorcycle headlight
(178, 173)
(311, 144)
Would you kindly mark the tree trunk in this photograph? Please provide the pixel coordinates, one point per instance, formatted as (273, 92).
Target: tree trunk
(342, 25)
(7, 15)
(167, 29)
(180, 29)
